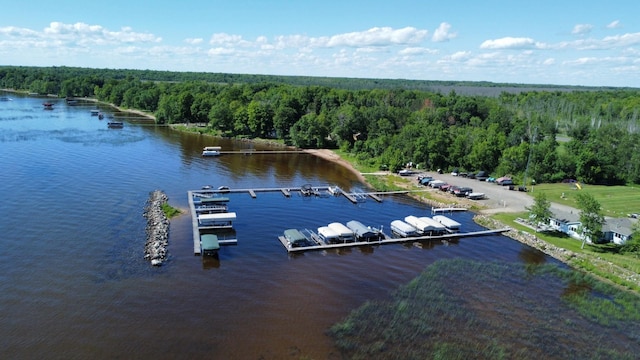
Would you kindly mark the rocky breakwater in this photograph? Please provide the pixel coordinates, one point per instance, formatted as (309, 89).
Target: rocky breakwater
(155, 248)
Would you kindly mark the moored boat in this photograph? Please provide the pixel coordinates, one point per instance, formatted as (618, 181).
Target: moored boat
(115, 124)
(210, 153)
(328, 235)
(344, 233)
(295, 238)
(364, 233)
(209, 244)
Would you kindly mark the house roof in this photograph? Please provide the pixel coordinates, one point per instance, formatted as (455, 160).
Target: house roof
(622, 226)
(566, 216)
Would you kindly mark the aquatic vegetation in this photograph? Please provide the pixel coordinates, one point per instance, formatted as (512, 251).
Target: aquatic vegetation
(458, 309)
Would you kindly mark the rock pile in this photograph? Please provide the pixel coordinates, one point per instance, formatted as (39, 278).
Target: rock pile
(155, 248)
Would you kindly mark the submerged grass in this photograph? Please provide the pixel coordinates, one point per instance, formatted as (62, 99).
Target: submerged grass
(460, 309)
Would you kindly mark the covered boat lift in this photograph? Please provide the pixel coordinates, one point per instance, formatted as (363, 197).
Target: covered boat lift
(216, 220)
(209, 244)
(344, 233)
(450, 224)
(403, 229)
(363, 232)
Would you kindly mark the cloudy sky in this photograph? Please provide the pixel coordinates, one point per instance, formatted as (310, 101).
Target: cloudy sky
(565, 42)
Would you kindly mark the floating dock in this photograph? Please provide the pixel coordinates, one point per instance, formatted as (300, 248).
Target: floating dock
(354, 197)
(320, 245)
(210, 213)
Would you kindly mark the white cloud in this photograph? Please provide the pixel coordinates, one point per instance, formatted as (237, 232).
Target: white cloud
(460, 55)
(581, 29)
(378, 36)
(225, 39)
(614, 24)
(510, 43)
(549, 61)
(194, 41)
(82, 34)
(442, 33)
(417, 51)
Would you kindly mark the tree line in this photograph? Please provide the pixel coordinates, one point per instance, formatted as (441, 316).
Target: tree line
(545, 135)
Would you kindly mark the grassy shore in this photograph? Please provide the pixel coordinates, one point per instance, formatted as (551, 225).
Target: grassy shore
(601, 260)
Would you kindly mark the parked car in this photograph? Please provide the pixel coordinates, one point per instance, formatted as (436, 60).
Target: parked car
(491, 179)
(453, 189)
(481, 176)
(505, 180)
(455, 172)
(436, 183)
(463, 191)
(445, 187)
(425, 180)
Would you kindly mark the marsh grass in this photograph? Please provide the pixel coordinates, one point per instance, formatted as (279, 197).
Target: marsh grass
(461, 309)
(170, 211)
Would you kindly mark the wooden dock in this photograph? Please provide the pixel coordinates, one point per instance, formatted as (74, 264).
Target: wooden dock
(354, 197)
(386, 240)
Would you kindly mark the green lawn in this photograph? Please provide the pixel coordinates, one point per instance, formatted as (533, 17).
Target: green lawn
(616, 201)
(607, 252)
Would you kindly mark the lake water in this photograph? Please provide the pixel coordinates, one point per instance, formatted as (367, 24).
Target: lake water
(73, 281)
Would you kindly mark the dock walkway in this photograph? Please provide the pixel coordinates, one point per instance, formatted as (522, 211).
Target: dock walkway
(386, 240)
(199, 228)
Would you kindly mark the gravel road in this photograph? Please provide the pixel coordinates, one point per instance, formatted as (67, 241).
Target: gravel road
(498, 198)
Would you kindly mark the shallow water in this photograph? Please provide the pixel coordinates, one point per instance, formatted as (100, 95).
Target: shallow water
(73, 281)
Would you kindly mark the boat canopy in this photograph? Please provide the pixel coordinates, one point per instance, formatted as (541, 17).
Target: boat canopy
(217, 219)
(344, 232)
(211, 200)
(422, 226)
(449, 223)
(362, 231)
(402, 228)
(212, 148)
(294, 236)
(209, 242)
(328, 234)
(437, 227)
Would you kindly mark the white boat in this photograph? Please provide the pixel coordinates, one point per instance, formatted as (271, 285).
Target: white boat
(334, 190)
(403, 229)
(476, 196)
(328, 235)
(210, 153)
(450, 224)
(345, 234)
(211, 150)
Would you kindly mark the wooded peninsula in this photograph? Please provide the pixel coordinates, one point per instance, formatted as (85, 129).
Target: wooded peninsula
(531, 132)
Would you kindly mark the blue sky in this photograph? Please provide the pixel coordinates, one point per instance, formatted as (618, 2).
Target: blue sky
(593, 43)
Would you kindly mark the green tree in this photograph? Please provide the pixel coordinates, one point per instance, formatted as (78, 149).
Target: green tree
(590, 217)
(632, 245)
(540, 211)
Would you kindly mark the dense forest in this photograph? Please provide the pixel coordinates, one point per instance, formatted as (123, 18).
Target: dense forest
(545, 133)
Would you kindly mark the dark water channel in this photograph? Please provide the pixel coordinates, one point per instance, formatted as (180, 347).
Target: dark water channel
(73, 281)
